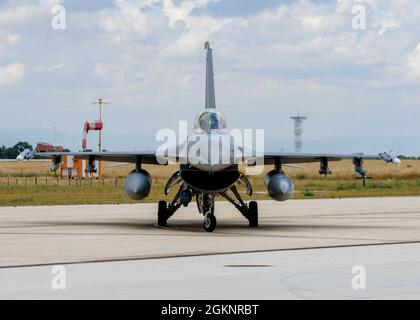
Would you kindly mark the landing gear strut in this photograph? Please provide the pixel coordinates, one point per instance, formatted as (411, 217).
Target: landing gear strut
(166, 210)
(249, 211)
(205, 204)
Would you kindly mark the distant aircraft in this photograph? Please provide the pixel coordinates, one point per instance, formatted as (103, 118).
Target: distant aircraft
(204, 177)
(26, 154)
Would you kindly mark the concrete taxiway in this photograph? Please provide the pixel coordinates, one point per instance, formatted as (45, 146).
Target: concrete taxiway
(63, 234)
(116, 251)
(390, 272)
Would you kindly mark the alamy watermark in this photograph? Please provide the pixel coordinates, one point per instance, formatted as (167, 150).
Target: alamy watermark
(58, 21)
(59, 280)
(359, 16)
(358, 280)
(214, 148)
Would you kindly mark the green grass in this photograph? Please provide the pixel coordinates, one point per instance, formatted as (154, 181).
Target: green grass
(112, 192)
(307, 193)
(349, 186)
(301, 176)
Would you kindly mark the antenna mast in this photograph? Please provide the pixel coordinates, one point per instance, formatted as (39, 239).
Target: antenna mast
(100, 102)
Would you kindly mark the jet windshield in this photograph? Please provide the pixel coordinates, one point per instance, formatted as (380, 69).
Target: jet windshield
(209, 120)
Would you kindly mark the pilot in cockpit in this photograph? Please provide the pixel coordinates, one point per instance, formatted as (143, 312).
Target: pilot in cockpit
(210, 120)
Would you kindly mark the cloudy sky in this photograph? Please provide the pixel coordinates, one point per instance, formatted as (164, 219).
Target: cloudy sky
(359, 87)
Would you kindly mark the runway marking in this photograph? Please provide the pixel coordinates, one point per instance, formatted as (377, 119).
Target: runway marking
(248, 265)
(242, 234)
(188, 255)
(298, 215)
(262, 219)
(200, 233)
(197, 231)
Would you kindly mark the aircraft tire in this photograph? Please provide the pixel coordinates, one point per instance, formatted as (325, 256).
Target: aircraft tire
(253, 214)
(162, 214)
(210, 222)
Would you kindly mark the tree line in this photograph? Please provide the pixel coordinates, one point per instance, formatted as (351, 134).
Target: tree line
(13, 152)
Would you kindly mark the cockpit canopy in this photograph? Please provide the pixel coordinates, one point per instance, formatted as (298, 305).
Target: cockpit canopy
(210, 120)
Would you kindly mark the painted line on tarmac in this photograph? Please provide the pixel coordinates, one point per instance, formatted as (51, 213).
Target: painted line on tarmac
(188, 255)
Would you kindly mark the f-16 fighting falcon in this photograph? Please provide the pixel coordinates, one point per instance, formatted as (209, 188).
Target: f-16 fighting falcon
(25, 154)
(205, 172)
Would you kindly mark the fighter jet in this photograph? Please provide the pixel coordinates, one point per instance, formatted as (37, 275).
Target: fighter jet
(205, 172)
(26, 154)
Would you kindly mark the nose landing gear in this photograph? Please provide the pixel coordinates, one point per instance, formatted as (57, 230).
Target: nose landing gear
(207, 208)
(210, 222)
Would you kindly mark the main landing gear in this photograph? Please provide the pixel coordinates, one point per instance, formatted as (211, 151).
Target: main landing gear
(249, 211)
(166, 210)
(205, 205)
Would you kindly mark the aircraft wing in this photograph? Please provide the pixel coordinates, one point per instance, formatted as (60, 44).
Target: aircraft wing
(290, 158)
(146, 157)
(149, 157)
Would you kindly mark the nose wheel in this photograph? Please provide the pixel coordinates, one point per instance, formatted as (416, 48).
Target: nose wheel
(210, 222)
(205, 204)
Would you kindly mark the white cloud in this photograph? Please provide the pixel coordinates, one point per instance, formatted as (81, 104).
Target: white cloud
(413, 64)
(12, 73)
(312, 22)
(55, 67)
(102, 70)
(128, 17)
(13, 39)
(388, 24)
(150, 53)
(182, 11)
(49, 68)
(25, 12)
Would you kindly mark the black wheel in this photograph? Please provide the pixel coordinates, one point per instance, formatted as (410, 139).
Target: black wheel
(162, 214)
(253, 214)
(210, 222)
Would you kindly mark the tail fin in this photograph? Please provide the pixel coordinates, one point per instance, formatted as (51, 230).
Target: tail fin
(210, 95)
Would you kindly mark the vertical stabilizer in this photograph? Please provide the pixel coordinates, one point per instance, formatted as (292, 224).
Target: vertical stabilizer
(210, 96)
